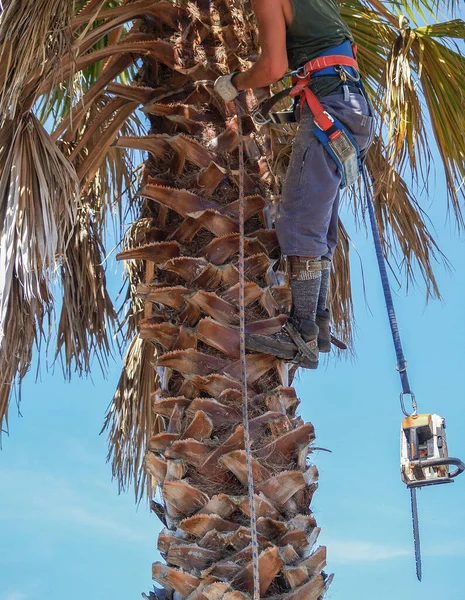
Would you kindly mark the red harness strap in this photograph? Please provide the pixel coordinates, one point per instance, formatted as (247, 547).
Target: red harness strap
(321, 117)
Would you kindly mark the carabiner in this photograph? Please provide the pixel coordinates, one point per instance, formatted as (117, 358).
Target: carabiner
(344, 74)
(259, 119)
(414, 404)
(300, 70)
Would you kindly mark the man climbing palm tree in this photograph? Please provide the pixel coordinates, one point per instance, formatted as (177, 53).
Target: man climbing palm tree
(292, 33)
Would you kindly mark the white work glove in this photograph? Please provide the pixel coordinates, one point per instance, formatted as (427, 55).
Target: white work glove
(226, 88)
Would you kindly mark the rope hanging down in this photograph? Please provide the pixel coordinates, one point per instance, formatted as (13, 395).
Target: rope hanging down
(245, 407)
(401, 362)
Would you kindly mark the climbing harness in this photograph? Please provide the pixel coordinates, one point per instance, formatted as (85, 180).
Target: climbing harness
(424, 458)
(245, 406)
(336, 139)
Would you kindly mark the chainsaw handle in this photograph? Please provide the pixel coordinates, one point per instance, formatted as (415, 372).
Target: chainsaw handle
(459, 464)
(439, 462)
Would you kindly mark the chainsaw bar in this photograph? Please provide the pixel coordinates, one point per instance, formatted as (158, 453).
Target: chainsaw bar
(416, 531)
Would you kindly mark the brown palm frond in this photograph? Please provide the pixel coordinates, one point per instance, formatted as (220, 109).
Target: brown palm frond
(109, 173)
(88, 318)
(39, 194)
(33, 38)
(403, 224)
(24, 331)
(340, 296)
(38, 202)
(132, 310)
(38, 205)
(130, 420)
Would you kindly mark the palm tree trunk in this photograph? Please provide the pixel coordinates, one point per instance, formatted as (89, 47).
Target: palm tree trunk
(190, 250)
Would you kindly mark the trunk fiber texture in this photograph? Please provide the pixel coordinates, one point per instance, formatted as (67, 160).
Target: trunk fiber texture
(188, 243)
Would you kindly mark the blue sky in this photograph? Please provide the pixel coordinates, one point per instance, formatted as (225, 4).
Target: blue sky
(66, 533)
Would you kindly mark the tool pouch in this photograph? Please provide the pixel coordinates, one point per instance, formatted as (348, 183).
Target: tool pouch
(344, 151)
(347, 157)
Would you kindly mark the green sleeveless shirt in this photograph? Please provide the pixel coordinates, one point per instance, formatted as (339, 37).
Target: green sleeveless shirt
(317, 26)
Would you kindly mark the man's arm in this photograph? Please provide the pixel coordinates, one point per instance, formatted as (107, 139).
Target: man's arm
(272, 63)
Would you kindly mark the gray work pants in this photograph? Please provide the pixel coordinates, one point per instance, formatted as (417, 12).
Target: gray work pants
(307, 213)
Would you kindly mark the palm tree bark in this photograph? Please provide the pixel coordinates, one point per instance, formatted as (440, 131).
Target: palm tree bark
(190, 249)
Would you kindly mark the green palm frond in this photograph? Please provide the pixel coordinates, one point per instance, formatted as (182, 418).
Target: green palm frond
(374, 35)
(422, 91)
(425, 9)
(442, 83)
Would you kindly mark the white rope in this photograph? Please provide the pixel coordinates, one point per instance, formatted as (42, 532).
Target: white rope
(245, 407)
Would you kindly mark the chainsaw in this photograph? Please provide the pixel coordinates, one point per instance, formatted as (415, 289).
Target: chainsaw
(425, 461)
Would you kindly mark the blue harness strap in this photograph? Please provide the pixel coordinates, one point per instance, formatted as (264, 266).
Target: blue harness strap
(401, 362)
(344, 49)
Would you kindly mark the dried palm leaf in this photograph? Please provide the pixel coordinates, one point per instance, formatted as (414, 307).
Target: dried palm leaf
(130, 421)
(403, 224)
(33, 38)
(38, 201)
(24, 329)
(38, 205)
(88, 317)
(134, 273)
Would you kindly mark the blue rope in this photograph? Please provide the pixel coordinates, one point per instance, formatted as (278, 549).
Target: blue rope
(401, 362)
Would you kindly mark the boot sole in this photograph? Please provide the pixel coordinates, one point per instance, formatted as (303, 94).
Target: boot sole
(265, 344)
(282, 350)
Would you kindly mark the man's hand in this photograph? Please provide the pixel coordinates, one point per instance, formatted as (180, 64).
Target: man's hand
(226, 88)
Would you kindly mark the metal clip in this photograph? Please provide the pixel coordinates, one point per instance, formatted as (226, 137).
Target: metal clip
(298, 72)
(345, 75)
(259, 119)
(414, 404)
